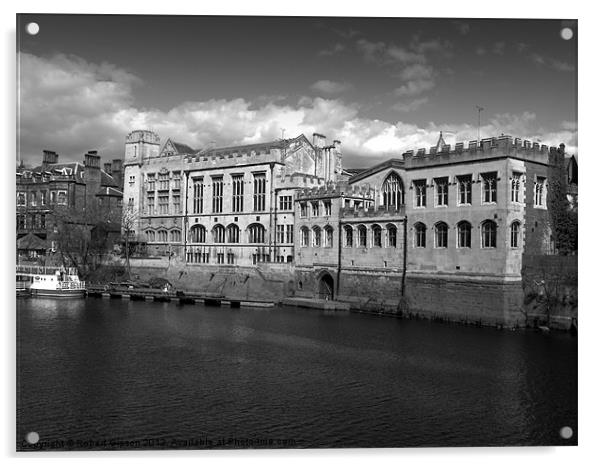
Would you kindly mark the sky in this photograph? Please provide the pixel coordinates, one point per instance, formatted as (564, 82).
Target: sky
(380, 85)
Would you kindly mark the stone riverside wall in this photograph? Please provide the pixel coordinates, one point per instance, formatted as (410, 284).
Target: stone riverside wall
(466, 300)
(259, 283)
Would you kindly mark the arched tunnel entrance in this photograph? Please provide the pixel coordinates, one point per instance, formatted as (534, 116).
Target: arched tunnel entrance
(326, 286)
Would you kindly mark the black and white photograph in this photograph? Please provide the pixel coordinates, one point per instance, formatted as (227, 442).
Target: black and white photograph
(295, 232)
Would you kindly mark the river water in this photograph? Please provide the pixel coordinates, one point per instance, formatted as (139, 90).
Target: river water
(111, 374)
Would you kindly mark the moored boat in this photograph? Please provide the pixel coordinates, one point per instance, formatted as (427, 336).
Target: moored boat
(55, 282)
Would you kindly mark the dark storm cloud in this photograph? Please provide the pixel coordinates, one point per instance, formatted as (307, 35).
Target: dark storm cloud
(382, 86)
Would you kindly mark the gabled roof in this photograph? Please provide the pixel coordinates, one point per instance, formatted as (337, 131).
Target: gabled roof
(258, 146)
(31, 241)
(176, 148)
(106, 179)
(391, 163)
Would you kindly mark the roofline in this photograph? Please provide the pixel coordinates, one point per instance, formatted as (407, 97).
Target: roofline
(391, 163)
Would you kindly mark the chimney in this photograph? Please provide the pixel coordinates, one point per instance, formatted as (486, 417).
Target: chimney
(92, 160)
(49, 157)
(107, 168)
(117, 172)
(337, 145)
(117, 165)
(319, 140)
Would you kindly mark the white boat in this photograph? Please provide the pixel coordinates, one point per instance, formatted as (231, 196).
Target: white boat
(54, 282)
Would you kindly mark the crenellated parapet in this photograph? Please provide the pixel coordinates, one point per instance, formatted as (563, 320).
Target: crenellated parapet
(335, 189)
(488, 148)
(372, 212)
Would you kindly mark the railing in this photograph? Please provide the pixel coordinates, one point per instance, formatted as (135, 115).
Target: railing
(44, 270)
(71, 286)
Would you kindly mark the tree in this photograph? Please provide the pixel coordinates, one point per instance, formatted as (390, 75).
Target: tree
(563, 219)
(129, 220)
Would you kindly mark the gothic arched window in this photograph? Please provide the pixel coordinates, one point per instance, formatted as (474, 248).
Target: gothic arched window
(393, 191)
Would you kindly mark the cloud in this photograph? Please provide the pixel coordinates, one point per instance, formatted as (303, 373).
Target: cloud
(334, 50)
(414, 88)
(331, 87)
(410, 106)
(71, 106)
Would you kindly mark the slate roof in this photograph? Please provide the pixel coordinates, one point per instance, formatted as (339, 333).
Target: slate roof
(31, 242)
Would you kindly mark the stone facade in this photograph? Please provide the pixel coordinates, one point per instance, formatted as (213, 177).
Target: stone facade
(224, 206)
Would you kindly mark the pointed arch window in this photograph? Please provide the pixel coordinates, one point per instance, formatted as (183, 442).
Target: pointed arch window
(377, 236)
(219, 234)
(393, 196)
(233, 233)
(441, 230)
(362, 234)
(514, 234)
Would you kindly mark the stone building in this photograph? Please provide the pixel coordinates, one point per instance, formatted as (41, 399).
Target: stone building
(229, 205)
(53, 187)
(442, 232)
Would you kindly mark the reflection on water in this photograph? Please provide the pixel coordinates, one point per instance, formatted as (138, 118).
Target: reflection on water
(114, 374)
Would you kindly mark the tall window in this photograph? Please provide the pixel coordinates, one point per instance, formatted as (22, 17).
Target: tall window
(286, 203)
(177, 180)
(43, 221)
(259, 184)
(217, 183)
(488, 234)
(317, 237)
(328, 234)
(327, 208)
(362, 236)
(441, 191)
(515, 187)
(464, 229)
(176, 236)
(43, 198)
(219, 234)
(289, 233)
(420, 235)
(20, 222)
(441, 230)
(489, 187)
(303, 209)
(32, 198)
(163, 203)
(256, 233)
(197, 196)
(420, 193)
(540, 192)
(304, 237)
(238, 191)
(163, 181)
(150, 236)
(348, 236)
(52, 198)
(393, 191)
(21, 200)
(233, 233)
(514, 234)
(392, 236)
(162, 236)
(176, 201)
(150, 178)
(315, 209)
(377, 233)
(465, 189)
(150, 203)
(198, 234)
(280, 234)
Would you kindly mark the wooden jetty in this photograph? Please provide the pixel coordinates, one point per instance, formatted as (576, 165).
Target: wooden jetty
(183, 297)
